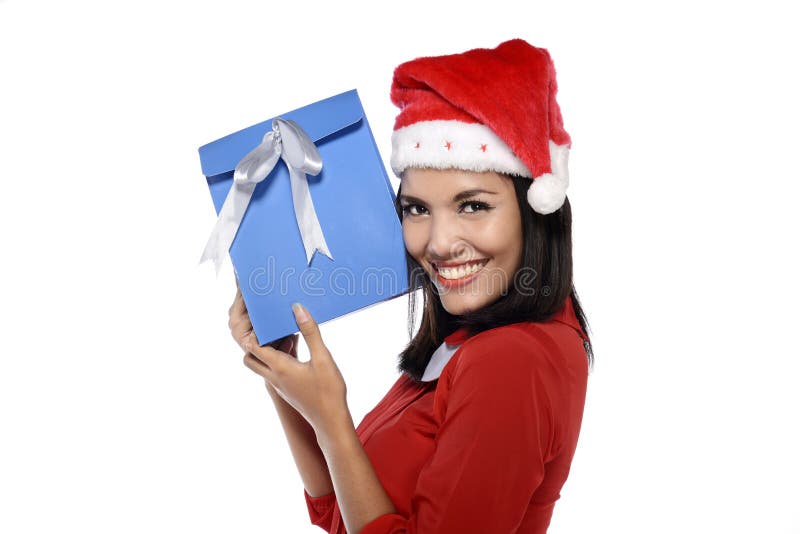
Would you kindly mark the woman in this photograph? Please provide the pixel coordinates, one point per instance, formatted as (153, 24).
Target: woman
(478, 433)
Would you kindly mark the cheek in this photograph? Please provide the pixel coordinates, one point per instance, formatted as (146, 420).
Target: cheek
(514, 246)
(414, 239)
(497, 239)
(491, 234)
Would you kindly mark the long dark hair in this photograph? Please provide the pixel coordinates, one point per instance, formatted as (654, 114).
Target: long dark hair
(539, 289)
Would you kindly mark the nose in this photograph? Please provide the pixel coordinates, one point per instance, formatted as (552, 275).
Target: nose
(445, 241)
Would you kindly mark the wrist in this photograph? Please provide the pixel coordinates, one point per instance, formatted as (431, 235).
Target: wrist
(279, 401)
(336, 431)
(271, 390)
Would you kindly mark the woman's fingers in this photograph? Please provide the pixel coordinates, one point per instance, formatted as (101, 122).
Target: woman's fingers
(258, 359)
(258, 367)
(240, 327)
(283, 344)
(238, 319)
(310, 330)
(238, 305)
(238, 308)
(274, 359)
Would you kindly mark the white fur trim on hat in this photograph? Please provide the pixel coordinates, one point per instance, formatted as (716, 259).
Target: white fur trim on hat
(453, 144)
(548, 191)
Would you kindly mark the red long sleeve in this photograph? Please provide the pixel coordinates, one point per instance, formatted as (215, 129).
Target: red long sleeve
(493, 442)
(488, 446)
(321, 509)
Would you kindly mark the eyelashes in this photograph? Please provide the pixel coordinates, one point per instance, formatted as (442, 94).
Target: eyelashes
(476, 206)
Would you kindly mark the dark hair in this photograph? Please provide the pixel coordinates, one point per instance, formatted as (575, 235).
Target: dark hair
(539, 289)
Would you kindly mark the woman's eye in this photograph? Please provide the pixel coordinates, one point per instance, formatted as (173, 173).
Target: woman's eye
(475, 205)
(469, 206)
(412, 209)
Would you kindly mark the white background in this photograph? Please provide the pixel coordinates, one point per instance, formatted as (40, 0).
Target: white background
(124, 403)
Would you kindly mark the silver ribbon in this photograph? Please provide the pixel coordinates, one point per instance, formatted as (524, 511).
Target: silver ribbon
(286, 141)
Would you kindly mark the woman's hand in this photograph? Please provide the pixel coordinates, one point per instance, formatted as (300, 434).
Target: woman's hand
(241, 328)
(316, 389)
(328, 452)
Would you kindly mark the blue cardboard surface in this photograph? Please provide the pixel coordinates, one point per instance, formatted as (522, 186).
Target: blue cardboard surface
(354, 201)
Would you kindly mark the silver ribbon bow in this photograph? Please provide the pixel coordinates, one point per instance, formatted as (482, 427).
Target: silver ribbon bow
(286, 141)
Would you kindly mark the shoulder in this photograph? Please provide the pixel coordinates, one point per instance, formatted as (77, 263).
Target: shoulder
(549, 349)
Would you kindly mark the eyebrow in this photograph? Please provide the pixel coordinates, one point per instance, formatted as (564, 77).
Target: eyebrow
(461, 196)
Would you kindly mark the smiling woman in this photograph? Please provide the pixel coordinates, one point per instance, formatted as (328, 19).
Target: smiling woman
(465, 231)
(479, 431)
(526, 279)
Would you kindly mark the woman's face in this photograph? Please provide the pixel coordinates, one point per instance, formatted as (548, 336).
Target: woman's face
(455, 222)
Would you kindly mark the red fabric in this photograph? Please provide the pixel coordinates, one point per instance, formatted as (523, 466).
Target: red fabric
(511, 89)
(486, 447)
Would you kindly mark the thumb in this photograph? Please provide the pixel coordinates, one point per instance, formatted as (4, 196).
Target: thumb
(309, 328)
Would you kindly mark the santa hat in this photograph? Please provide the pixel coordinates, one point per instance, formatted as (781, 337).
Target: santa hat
(484, 110)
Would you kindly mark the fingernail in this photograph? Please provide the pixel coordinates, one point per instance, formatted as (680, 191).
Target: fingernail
(300, 312)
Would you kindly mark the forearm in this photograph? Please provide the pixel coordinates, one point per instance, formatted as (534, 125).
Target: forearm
(307, 454)
(359, 492)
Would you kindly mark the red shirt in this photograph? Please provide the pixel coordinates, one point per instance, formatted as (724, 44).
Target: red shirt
(485, 448)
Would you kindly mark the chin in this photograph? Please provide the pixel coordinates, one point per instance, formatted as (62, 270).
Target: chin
(460, 306)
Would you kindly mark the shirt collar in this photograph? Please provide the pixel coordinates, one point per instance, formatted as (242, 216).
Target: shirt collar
(458, 337)
(446, 350)
(443, 354)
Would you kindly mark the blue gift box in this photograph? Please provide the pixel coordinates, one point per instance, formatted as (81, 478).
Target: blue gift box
(354, 202)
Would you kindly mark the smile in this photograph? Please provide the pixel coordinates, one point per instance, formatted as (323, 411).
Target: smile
(459, 272)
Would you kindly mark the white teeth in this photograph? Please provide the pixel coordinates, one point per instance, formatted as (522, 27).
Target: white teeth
(460, 272)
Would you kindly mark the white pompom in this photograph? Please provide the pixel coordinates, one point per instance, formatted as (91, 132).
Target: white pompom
(547, 193)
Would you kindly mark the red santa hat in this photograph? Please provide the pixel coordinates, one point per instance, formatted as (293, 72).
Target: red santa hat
(484, 110)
